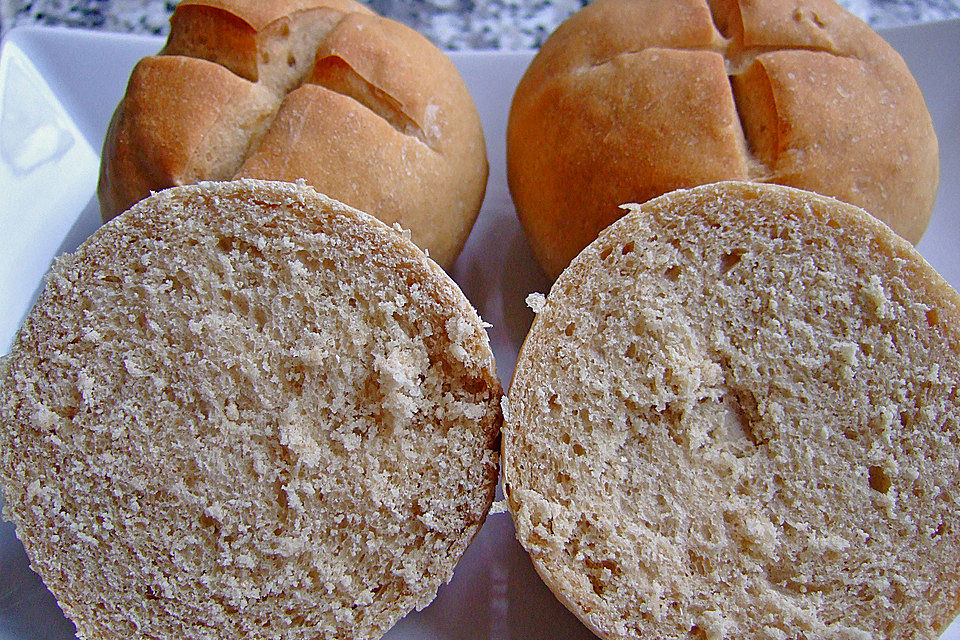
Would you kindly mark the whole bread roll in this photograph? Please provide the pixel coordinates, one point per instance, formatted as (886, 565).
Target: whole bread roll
(363, 108)
(737, 415)
(244, 410)
(630, 99)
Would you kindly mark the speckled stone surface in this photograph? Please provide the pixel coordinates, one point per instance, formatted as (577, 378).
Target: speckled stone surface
(451, 24)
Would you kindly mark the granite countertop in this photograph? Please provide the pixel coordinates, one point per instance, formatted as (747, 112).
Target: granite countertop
(451, 24)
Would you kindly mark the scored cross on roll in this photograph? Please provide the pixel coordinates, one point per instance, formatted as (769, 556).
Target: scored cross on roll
(363, 108)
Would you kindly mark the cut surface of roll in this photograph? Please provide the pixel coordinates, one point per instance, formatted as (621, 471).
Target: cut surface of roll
(736, 416)
(245, 410)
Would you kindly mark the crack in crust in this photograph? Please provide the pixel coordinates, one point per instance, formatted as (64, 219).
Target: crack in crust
(337, 74)
(278, 59)
(763, 133)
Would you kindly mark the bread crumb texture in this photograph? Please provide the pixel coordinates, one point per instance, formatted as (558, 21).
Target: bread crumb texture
(736, 416)
(245, 410)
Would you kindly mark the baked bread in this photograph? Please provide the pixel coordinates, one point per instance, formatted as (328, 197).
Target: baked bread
(736, 416)
(244, 410)
(630, 99)
(363, 108)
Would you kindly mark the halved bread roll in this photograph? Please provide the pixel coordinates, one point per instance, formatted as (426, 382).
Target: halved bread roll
(737, 415)
(245, 410)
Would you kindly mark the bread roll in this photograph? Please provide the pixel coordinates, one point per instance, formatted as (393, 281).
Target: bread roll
(737, 415)
(630, 99)
(244, 410)
(361, 107)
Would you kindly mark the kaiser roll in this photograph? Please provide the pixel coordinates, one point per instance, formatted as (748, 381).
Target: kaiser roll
(630, 99)
(361, 107)
(244, 410)
(737, 415)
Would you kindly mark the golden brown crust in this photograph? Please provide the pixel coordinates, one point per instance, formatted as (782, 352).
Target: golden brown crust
(148, 149)
(825, 105)
(391, 73)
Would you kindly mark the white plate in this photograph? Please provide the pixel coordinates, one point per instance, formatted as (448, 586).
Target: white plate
(58, 89)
